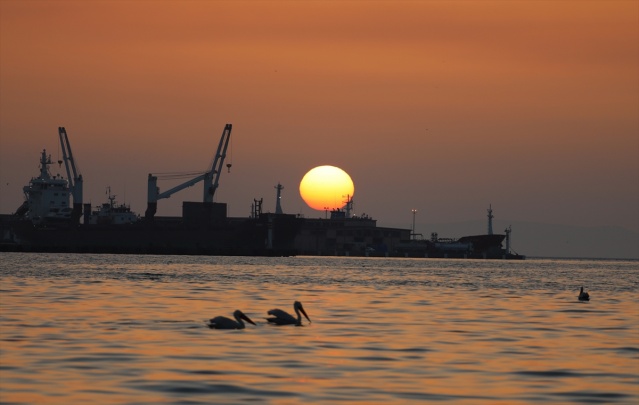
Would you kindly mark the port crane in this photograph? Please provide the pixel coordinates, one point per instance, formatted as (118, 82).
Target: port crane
(73, 174)
(210, 178)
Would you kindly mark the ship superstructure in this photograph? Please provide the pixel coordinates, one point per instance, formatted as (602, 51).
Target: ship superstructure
(111, 213)
(47, 196)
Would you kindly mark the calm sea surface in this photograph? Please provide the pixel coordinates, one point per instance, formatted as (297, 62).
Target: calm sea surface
(110, 329)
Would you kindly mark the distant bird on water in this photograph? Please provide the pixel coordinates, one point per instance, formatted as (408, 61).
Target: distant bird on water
(583, 296)
(280, 317)
(222, 322)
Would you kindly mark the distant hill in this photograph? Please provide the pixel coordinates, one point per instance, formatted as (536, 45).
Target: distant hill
(547, 240)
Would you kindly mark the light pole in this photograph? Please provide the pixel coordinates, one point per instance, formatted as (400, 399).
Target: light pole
(414, 211)
(326, 212)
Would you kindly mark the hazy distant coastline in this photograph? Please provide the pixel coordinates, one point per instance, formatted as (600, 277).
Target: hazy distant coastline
(547, 240)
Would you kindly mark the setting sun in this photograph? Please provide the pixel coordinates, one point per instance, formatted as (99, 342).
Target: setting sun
(326, 188)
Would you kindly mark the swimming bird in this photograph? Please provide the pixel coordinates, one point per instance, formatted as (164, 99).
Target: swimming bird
(583, 296)
(222, 322)
(284, 318)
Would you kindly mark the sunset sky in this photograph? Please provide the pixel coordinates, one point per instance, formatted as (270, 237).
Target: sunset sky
(440, 106)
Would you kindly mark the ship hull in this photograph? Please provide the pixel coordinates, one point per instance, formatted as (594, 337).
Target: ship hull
(467, 247)
(270, 236)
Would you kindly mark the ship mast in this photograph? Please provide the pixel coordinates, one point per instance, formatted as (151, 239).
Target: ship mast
(490, 219)
(45, 161)
(278, 205)
(349, 205)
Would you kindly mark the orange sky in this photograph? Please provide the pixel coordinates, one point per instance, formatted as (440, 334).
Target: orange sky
(444, 107)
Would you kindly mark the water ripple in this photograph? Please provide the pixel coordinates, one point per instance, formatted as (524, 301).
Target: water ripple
(79, 329)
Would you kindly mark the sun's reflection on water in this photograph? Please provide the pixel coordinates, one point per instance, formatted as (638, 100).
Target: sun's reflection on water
(133, 329)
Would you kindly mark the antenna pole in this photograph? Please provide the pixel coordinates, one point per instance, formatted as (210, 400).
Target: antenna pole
(414, 211)
(278, 205)
(490, 219)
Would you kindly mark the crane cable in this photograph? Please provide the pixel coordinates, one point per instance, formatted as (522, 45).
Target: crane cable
(177, 175)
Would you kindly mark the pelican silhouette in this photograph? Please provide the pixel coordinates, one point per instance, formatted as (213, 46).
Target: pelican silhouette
(280, 317)
(222, 322)
(583, 296)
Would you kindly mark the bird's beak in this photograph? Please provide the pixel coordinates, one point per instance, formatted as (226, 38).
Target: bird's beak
(247, 319)
(304, 312)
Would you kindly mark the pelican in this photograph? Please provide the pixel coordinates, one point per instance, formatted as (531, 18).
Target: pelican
(222, 322)
(284, 318)
(583, 296)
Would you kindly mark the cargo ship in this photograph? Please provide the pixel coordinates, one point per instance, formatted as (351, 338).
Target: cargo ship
(48, 222)
(486, 246)
(346, 235)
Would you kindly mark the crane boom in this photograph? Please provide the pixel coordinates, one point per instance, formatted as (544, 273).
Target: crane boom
(211, 178)
(73, 176)
(180, 187)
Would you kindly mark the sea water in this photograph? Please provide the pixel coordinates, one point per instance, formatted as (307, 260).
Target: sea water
(126, 329)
